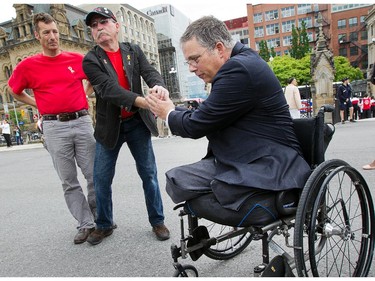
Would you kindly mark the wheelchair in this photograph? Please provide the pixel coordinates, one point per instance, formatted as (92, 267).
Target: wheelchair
(327, 227)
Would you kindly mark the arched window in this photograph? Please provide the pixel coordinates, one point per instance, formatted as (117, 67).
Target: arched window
(142, 24)
(123, 15)
(136, 21)
(7, 72)
(130, 19)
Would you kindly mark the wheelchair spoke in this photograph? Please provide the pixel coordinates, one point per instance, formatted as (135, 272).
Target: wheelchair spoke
(339, 216)
(228, 242)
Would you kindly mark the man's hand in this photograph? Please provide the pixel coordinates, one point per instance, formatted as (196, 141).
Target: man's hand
(160, 103)
(159, 92)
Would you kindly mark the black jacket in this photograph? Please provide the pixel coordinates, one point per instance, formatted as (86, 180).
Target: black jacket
(344, 93)
(111, 97)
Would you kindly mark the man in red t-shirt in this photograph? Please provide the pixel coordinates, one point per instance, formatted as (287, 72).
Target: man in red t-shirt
(366, 106)
(56, 78)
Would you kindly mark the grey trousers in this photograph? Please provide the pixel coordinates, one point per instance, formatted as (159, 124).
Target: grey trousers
(70, 144)
(190, 181)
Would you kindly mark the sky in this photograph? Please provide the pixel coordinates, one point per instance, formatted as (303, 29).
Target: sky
(193, 9)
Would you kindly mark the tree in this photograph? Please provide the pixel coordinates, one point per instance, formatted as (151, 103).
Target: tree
(300, 42)
(263, 50)
(285, 67)
(272, 52)
(344, 69)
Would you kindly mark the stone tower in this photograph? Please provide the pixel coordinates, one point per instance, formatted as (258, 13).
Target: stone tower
(322, 71)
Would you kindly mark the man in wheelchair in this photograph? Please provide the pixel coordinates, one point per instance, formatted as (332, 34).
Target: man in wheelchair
(253, 151)
(264, 173)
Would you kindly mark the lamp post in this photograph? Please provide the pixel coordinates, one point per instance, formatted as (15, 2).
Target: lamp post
(271, 60)
(15, 114)
(173, 73)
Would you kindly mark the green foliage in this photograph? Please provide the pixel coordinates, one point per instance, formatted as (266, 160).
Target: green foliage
(273, 53)
(263, 50)
(13, 119)
(344, 69)
(285, 67)
(300, 42)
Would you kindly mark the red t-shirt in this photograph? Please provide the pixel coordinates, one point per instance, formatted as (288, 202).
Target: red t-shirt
(366, 103)
(116, 60)
(355, 101)
(55, 81)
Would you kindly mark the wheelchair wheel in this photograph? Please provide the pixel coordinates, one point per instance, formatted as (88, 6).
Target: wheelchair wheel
(227, 246)
(188, 271)
(334, 224)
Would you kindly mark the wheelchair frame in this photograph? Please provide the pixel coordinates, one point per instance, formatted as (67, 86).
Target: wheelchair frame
(318, 237)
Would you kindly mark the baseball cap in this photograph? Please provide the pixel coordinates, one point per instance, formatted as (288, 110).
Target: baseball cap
(101, 11)
(346, 78)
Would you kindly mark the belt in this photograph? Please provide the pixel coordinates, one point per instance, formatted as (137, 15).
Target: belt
(63, 117)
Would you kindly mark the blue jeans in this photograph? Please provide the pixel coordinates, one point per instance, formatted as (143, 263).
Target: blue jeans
(138, 138)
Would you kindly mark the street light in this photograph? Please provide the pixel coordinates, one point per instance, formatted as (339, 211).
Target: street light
(271, 60)
(173, 73)
(15, 113)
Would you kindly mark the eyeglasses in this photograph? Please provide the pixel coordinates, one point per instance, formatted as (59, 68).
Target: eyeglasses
(94, 24)
(194, 61)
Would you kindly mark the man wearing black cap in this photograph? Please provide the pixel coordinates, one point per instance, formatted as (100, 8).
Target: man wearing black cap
(344, 93)
(115, 70)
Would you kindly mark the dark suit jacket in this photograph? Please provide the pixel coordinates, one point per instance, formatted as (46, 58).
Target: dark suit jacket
(249, 128)
(111, 96)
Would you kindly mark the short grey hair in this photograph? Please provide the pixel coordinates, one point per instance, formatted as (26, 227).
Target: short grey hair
(208, 30)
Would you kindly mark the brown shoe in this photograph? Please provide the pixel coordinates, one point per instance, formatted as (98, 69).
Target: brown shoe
(98, 235)
(161, 232)
(82, 235)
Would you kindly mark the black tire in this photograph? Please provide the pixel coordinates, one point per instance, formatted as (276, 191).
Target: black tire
(189, 271)
(225, 248)
(334, 223)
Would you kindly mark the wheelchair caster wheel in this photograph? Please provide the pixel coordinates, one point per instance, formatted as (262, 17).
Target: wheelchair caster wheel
(186, 271)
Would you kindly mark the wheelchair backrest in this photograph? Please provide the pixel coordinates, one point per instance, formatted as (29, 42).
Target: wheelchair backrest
(314, 136)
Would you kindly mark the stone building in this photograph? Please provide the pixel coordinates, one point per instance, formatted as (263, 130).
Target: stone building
(17, 42)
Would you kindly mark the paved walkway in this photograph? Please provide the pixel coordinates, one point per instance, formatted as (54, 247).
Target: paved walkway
(35, 145)
(21, 147)
(40, 145)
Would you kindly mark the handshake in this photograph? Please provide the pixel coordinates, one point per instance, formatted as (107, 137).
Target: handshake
(158, 102)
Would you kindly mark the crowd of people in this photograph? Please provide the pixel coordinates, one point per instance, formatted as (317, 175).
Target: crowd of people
(363, 106)
(352, 106)
(7, 133)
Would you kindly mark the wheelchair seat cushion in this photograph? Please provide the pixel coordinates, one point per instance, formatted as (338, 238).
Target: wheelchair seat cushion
(258, 210)
(287, 202)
